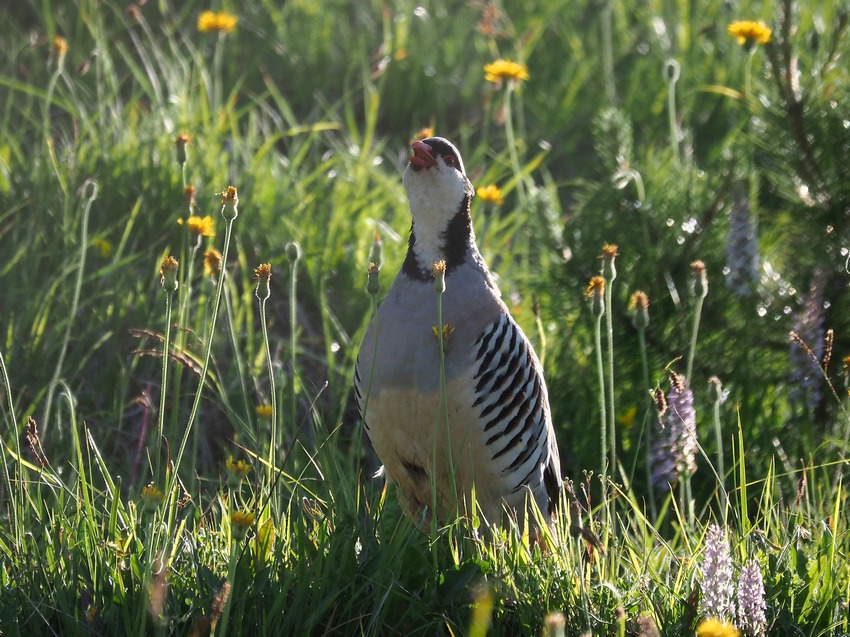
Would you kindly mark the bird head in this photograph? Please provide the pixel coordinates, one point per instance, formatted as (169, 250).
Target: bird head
(435, 181)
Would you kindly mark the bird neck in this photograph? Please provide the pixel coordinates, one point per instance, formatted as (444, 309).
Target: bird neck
(429, 244)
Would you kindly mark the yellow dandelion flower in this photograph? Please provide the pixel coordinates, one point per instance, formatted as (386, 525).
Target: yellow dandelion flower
(240, 522)
(223, 22)
(491, 194)
(104, 247)
(264, 411)
(596, 293)
(236, 471)
(505, 70)
(60, 46)
(595, 287)
(716, 628)
(423, 133)
(750, 32)
(151, 497)
(627, 418)
(212, 262)
(200, 226)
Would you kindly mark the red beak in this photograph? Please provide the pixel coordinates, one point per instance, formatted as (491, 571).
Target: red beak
(422, 157)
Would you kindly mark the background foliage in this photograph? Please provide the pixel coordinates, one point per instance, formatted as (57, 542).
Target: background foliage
(643, 125)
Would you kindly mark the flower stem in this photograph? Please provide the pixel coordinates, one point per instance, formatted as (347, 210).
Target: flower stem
(273, 442)
(166, 350)
(603, 414)
(207, 353)
(610, 380)
(694, 334)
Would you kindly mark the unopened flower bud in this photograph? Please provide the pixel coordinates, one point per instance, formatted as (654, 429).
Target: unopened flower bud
(168, 274)
(373, 285)
(262, 275)
(640, 307)
(180, 144)
(700, 279)
(293, 251)
(609, 253)
(439, 271)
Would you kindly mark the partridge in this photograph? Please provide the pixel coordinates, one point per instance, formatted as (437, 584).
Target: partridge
(480, 430)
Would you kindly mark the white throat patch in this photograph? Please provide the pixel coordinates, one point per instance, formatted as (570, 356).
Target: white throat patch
(435, 195)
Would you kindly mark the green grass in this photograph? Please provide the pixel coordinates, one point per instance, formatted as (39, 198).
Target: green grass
(307, 108)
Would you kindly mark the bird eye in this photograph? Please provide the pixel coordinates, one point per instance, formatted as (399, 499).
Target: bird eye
(450, 160)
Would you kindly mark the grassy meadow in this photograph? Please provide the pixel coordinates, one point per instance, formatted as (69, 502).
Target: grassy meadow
(188, 209)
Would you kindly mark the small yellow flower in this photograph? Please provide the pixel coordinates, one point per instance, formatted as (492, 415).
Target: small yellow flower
(749, 32)
(236, 471)
(199, 226)
(240, 522)
(264, 411)
(491, 194)
(168, 274)
(505, 70)
(627, 418)
(151, 498)
(60, 46)
(596, 293)
(212, 262)
(439, 272)
(223, 22)
(104, 247)
(448, 330)
(716, 628)
(595, 287)
(423, 133)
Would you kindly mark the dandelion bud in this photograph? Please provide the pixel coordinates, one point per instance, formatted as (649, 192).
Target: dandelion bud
(180, 144)
(376, 252)
(229, 203)
(373, 285)
(168, 274)
(700, 279)
(596, 293)
(609, 253)
(293, 251)
(262, 275)
(439, 271)
(640, 306)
